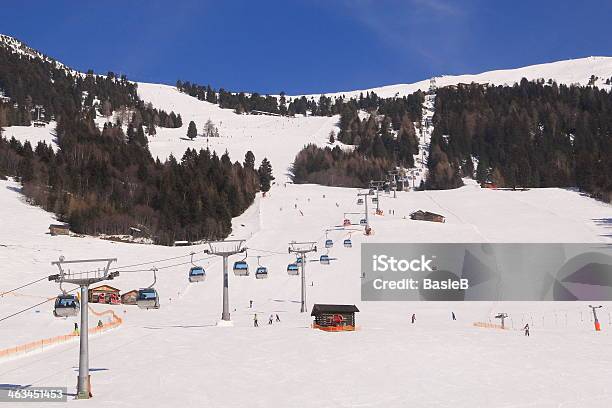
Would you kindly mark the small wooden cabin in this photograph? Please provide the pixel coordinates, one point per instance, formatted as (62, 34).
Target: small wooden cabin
(59, 229)
(334, 317)
(427, 216)
(104, 294)
(129, 298)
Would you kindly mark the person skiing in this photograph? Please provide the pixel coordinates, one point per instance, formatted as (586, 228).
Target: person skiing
(99, 323)
(453, 314)
(270, 319)
(277, 318)
(255, 323)
(526, 328)
(413, 318)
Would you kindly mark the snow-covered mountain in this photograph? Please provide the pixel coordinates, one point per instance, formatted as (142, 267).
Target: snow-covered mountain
(177, 356)
(574, 71)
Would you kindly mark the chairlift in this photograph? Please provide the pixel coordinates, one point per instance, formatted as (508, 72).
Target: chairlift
(324, 259)
(329, 243)
(261, 272)
(363, 221)
(66, 305)
(292, 269)
(348, 243)
(299, 260)
(196, 273)
(360, 201)
(148, 298)
(346, 222)
(374, 200)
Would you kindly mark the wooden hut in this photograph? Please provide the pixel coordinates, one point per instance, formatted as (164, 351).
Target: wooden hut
(59, 229)
(129, 298)
(427, 216)
(334, 317)
(104, 294)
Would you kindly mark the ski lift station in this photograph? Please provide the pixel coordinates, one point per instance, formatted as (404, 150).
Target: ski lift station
(334, 317)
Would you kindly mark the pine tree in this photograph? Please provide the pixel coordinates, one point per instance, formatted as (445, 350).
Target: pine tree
(332, 137)
(265, 175)
(192, 131)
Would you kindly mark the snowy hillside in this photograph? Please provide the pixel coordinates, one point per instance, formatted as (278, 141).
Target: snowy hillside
(575, 71)
(275, 137)
(178, 356)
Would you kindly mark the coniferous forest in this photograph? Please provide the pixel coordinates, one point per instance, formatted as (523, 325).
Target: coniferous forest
(385, 139)
(533, 134)
(104, 181)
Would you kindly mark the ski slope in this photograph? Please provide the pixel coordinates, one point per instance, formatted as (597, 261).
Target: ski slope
(177, 355)
(277, 138)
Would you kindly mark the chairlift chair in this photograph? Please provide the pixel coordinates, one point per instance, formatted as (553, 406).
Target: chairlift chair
(66, 306)
(348, 243)
(346, 222)
(261, 272)
(360, 201)
(363, 222)
(292, 269)
(197, 274)
(329, 243)
(148, 298)
(241, 268)
(324, 259)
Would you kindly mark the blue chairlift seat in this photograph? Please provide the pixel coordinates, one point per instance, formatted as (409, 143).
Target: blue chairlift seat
(241, 268)
(197, 274)
(324, 259)
(261, 272)
(147, 298)
(66, 306)
(348, 243)
(292, 269)
(329, 243)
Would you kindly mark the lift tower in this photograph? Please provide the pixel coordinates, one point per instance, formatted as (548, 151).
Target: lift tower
(83, 280)
(303, 248)
(225, 249)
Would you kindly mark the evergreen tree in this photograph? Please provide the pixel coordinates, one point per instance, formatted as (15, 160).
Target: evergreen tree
(192, 131)
(265, 175)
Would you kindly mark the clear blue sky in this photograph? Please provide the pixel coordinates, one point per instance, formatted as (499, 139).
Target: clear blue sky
(308, 46)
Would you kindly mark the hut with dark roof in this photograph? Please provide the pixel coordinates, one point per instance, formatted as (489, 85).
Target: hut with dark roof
(334, 317)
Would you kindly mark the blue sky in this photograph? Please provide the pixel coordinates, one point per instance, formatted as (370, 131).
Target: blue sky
(308, 46)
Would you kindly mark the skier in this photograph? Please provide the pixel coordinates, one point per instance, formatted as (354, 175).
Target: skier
(271, 319)
(99, 323)
(453, 313)
(526, 328)
(250, 304)
(277, 318)
(255, 324)
(413, 318)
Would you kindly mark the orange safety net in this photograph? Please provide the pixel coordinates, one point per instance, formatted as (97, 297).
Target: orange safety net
(41, 344)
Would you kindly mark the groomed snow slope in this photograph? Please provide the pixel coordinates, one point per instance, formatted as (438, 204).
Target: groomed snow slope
(176, 355)
(277, 138)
